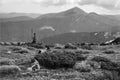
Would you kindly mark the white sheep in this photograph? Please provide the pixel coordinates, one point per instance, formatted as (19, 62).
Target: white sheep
(34, 67)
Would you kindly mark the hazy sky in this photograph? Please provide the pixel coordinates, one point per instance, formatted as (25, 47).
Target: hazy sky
(48, 6)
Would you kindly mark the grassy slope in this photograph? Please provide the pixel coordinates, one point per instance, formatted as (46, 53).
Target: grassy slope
(45, 74)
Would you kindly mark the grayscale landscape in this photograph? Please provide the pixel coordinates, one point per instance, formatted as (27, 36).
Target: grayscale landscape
(60, 40)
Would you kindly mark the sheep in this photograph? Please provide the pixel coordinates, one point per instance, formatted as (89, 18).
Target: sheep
(34, 67)
(7, 43)
(14, 43)
(1, 43)
(42, 51)
(22, 43)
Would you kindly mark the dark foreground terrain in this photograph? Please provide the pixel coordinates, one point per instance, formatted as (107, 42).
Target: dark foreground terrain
(60, 63)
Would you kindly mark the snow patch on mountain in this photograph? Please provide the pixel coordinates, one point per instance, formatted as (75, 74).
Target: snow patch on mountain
(107, 34)
(109, 41)
(116, 35)
(96, 34)
(47, 28)
(73, 31)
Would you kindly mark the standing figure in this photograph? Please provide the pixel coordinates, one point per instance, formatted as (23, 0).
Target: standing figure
(34, 38)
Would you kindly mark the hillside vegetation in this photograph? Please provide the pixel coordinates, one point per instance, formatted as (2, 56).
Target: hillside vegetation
(98, 63)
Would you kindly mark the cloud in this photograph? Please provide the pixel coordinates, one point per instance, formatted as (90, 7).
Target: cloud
(12, 2)
(49, 2)
(73, 31)
(56, 2)
(47, 27)
(50, 6)
(9, 1)
(109, 4)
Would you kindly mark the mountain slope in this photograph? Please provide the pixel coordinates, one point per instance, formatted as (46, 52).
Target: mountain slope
(11, 15)
(117, 17)
(14, 19)
(73, 20)
(82, 37)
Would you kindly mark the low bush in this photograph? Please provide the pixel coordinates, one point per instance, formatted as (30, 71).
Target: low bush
(101, 75)
(38, 46)
(59, 59)
(18, 50)
(9, 71)
(22, 51)
(106, 63)
(15, 48)
(25, 61)
(109, 52)
(53, 61)
(76, 56)
(110, 66)
(30, 48)
(70, 46)
(82, 67)
(94, 64)
(100, 59)
(82, 52)
(87, 47)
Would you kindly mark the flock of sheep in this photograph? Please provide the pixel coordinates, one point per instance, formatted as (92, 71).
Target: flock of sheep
(12, 43)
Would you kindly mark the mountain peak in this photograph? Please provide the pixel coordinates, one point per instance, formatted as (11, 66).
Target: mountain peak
(93, 13)
(75, 8)
(74, 11)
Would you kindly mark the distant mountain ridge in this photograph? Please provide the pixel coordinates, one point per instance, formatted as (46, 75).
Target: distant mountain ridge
(117, 17)
(11, 15)
(14, 19)
(73, 20)
(81, 37)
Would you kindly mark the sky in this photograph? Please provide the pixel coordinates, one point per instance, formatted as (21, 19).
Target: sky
(53, 6)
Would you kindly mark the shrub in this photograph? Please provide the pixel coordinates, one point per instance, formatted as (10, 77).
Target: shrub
(59, 59)
(38, 46)
(109, 52)
(107, 75)
(53, 61)
(15, 48)
(21, 51)
(82, 67)
(100, 59)
(109, 65)
(76, 56)
(9, 71)
(82, 52)
(87, 47)
(94, 64)
(80, 57)
(25, 61)
(115, 75)
(66, 61)
(30, 48)
(101, 75)
(106, 63)
(70, 46)
(6, 61)
(18, 50)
